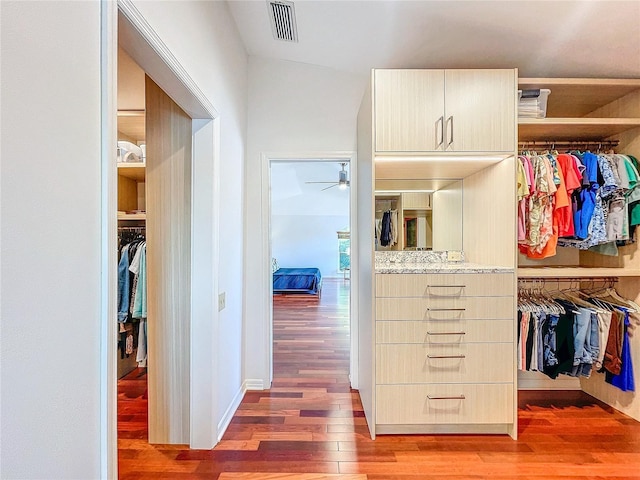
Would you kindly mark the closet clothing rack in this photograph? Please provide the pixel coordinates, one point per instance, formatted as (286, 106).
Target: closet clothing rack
(567, 145)
(543, 280)
(138, 229)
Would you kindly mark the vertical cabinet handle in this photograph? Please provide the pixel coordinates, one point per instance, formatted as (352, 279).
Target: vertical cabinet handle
(450, 122)
(440, 122)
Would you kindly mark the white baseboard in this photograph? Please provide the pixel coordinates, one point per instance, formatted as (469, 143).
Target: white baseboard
(231, 410)
(235, 403)
(254, 384)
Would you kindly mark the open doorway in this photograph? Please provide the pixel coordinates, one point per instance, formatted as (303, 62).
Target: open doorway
(182, 192)
(310, 244)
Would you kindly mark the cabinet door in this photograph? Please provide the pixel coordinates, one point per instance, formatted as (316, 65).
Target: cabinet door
(409, 109)
(480, 110)
(416, 201)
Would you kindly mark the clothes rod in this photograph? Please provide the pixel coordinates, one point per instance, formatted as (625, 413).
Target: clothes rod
(551, 144)
(566, 279)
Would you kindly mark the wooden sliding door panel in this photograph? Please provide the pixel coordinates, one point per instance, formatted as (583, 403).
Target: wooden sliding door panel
(168, 187)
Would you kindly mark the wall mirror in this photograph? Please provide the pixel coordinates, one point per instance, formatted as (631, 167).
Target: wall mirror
(418, 214)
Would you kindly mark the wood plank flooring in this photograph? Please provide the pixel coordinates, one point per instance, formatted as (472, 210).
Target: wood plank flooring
(310, 424)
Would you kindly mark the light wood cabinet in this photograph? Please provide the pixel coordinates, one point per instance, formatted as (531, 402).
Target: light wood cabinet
(444, 110)
(403, 407)
(444, 363)
(435, 332)
(440, 309)
(416, 201)
(441, 285)
(444, 353)
(409, 110)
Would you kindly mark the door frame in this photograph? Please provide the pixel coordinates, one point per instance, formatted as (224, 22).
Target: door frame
(123, 20)
(333, 156)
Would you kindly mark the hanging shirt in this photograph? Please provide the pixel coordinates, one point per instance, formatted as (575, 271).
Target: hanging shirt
(572, 181)
(140, 299)
(123, 285)
(624, 380)
(587, 196)
(523, 193)
(385, 233)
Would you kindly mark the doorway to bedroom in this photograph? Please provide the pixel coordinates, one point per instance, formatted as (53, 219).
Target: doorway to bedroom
(310, 219)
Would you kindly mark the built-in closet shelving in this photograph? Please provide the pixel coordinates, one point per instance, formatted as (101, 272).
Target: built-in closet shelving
(598, 111)
(131, 175)
(585, 110)
(131, 199)
(582, 109)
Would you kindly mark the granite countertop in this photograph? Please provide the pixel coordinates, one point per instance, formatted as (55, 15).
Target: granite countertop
(434, 267)
(430, 262)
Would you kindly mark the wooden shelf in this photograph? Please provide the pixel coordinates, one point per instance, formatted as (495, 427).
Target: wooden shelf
(578, 97)
(575, 272)
(134, 171)
(437, 166)
(131, 125)
(132, 216)
(573, 129)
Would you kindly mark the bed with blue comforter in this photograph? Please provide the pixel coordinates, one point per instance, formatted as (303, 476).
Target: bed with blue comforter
(297, 280)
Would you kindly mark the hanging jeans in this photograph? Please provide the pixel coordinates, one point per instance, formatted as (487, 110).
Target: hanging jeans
(549, 341)
(584, 337)
(123, 285)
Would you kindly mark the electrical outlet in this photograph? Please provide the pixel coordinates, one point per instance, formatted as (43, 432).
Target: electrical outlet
(221, 301)
(454, 256)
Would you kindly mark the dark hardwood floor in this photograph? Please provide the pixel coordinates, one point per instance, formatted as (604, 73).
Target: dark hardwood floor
(310, 425)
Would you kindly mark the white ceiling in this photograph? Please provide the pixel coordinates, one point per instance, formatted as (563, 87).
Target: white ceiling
(541, 38)
(290, 194)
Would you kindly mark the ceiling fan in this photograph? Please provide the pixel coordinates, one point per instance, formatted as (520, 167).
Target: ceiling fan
(342, 182)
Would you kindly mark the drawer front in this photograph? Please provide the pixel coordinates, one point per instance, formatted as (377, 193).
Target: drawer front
(444, 284)
(444, 331)
(435, 309)
(445, 363)
(438, 404)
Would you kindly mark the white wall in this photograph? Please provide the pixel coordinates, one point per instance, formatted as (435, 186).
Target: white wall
(293, 108)
(305, 217)
(50, 219)
(308, 241)
(50, 235)
(212, 53)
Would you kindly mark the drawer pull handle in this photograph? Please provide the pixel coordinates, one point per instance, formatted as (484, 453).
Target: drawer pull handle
(446, 333)
(446, 286)
(446, 356)
(455, 397)
(446, 309)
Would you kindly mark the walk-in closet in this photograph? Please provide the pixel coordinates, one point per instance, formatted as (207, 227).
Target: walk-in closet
(537, 285)
(584, 257)
(154, 254)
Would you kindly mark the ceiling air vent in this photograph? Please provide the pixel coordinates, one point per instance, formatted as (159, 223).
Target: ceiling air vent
(283, 20)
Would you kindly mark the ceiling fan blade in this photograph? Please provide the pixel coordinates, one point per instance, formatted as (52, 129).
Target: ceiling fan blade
(327, 188)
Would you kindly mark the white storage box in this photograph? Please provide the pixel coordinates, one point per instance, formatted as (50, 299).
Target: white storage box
(533, 103)
(129, 152)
